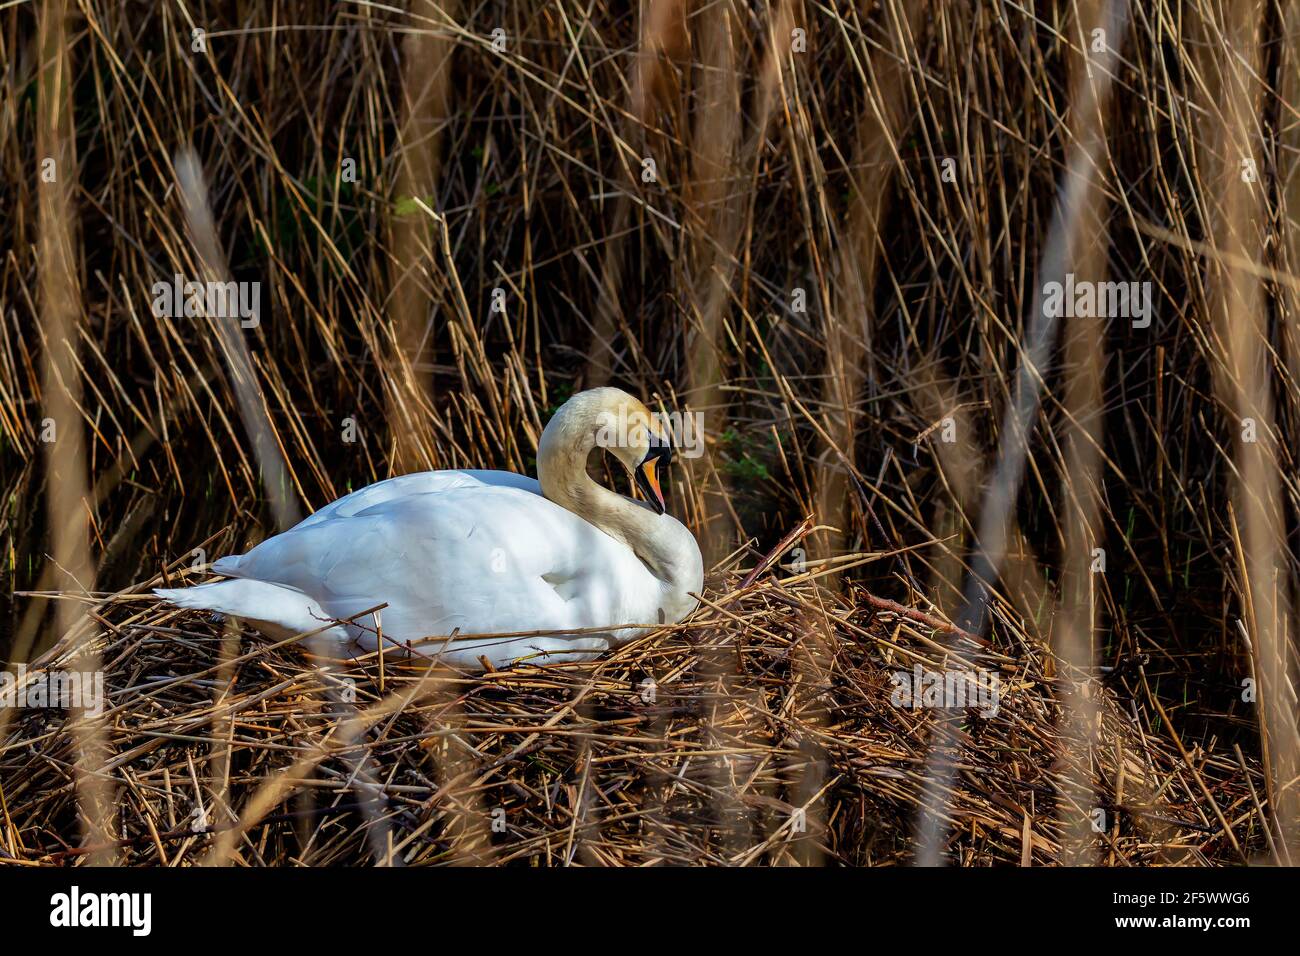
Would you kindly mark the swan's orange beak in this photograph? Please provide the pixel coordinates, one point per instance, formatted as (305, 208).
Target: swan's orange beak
(647, 476)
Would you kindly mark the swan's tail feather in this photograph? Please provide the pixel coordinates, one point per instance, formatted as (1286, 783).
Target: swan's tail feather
(279, 612)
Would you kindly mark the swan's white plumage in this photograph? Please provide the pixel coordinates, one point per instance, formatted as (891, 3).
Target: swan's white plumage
(470, 551)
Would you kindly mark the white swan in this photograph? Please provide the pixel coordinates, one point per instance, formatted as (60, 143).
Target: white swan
(483, 552)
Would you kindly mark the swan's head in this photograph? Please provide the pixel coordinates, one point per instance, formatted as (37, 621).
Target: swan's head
(611, 419)
(637, 438)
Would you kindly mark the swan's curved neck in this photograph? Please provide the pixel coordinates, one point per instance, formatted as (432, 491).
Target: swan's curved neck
(662, 543)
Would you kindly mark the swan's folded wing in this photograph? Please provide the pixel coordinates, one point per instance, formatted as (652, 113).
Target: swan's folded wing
(418, 483)
(481, 559)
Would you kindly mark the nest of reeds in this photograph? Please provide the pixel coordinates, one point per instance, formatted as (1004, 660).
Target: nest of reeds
(767, 729)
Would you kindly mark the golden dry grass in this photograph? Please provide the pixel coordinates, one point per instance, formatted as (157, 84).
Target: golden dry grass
(838, 259)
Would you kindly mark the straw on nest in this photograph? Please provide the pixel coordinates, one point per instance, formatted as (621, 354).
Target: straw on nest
(698, 744)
